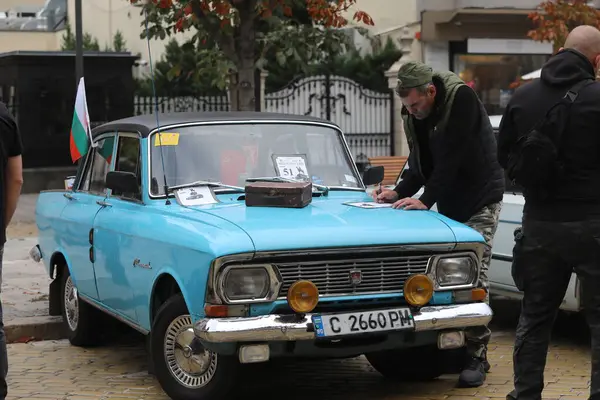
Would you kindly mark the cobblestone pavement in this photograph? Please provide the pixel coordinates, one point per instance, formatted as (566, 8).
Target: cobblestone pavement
(56, 370)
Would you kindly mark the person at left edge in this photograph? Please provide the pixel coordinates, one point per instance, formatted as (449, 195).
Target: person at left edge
(453, 155)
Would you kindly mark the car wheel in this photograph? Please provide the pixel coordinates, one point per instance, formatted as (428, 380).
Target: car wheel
(422, 363)
(183, 367)
(79, 318)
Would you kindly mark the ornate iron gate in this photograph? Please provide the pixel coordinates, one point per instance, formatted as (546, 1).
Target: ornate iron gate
(365, 116)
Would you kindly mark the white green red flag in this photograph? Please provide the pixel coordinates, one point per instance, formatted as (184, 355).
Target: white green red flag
(81, 133)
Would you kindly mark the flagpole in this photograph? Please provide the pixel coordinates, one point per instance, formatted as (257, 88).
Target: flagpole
(78, 42)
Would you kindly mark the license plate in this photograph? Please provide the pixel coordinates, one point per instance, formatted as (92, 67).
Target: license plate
(362, 322)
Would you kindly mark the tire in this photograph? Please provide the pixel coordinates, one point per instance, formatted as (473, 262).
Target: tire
(422, 363)
(79, 318)
(213, 379)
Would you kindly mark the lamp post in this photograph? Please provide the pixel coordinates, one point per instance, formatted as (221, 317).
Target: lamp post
(78, 42)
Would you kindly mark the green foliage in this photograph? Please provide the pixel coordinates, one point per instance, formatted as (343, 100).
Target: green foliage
(90, 43)
(184, 70)
(368, 70)
(297, 49)
(68, 41)
(119, 43)
(245, 42)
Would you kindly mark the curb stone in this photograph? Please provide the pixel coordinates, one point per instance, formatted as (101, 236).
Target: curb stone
(20, 330)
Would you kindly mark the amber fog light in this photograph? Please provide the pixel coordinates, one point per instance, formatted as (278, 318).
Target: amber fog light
(303, 296)
(418, 290)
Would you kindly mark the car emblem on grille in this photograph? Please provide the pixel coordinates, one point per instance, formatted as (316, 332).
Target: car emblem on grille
(355, 277)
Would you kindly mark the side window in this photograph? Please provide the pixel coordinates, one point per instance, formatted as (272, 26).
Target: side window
(98, 165)
(128, 160)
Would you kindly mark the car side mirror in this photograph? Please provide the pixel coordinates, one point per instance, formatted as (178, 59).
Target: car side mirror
(373, 175)
(122, 182)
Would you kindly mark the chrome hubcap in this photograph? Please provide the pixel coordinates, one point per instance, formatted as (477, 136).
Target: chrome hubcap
(71, 304)
(192, 370)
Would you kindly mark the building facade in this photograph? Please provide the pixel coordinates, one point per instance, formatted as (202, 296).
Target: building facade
(392, 19)
(484, 42)
(39, 25)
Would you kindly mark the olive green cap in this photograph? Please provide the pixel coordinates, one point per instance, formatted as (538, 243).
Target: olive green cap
(413, 74)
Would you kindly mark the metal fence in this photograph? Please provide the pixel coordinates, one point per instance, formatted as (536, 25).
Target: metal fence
(147, 105)
(364, 115)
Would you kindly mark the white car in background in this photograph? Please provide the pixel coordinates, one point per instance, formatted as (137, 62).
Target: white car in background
(499, 274)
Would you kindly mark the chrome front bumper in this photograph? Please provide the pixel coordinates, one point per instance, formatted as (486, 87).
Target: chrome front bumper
(292, 328)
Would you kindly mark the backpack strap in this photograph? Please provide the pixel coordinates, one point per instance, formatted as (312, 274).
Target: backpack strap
(572, 93)
(569, 98)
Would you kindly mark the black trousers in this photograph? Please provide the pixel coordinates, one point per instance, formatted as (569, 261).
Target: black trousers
(544, 257)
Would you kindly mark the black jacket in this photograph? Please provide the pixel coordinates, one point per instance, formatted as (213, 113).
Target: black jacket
(458, 166)
(576, 195)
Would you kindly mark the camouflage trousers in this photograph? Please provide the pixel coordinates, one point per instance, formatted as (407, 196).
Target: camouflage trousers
(485, 221)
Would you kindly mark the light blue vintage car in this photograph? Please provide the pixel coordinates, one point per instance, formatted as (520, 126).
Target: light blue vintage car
(156, 233)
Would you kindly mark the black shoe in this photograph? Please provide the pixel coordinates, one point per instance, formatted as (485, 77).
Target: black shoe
(473, 375)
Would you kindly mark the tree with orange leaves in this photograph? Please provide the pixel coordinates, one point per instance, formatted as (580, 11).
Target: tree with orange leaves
(554, 19)
(239, 47)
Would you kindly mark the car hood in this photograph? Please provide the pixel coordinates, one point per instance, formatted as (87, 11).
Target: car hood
(327, 222)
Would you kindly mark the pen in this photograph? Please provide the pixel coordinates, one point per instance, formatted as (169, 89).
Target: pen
(378, 192)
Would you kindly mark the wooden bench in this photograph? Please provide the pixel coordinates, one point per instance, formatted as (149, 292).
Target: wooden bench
(392, 165)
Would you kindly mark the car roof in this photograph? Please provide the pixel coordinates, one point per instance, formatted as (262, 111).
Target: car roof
(144, 124)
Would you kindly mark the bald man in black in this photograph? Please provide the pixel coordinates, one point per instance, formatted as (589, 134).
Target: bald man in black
(560, 231)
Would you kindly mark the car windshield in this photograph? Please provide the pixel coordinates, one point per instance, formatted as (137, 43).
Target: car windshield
(232, 153)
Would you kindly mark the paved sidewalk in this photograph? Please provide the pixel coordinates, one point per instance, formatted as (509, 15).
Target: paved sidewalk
(24, 282)
(56, 370)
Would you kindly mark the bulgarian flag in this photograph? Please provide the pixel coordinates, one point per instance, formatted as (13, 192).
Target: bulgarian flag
(80, 128)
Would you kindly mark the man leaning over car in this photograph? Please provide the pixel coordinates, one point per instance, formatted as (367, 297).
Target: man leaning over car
(453, 154)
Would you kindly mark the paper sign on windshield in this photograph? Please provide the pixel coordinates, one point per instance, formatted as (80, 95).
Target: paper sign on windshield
(167, 139)
(292, 167)
(195, 196)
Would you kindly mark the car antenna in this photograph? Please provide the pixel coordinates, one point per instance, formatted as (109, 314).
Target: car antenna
(155, 99)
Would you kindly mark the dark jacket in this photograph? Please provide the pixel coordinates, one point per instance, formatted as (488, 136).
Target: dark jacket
(453, 153)
(576, 194)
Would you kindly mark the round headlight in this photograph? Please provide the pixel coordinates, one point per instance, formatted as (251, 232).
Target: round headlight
(246, 283)
(453, 271)
(303, 296)
(418, 290)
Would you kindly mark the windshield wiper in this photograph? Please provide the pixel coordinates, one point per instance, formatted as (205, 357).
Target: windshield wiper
(324, 189)
(205, 183)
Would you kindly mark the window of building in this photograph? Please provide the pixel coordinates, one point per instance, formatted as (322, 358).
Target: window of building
(491, 75)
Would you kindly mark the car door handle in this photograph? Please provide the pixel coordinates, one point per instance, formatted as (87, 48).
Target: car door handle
(69, 196)
(103, 203)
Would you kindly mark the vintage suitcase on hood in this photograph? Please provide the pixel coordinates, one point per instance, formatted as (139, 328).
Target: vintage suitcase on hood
(278, 194)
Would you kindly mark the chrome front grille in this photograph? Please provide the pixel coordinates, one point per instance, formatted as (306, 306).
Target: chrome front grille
(333, 277)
